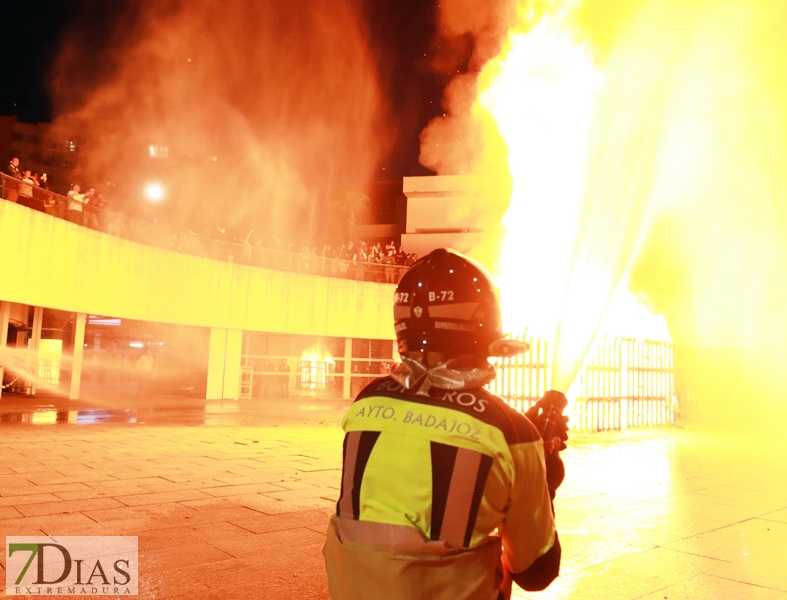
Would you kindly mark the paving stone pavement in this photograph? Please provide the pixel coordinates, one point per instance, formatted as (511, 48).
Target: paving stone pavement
(239, 511)
(220, 512)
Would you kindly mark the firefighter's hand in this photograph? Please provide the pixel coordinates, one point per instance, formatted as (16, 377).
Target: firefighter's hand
(538, 415)
(548, 400)
(533, 412)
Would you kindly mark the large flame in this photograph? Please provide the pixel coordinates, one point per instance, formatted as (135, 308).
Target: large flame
(561, 265)
(540, 92)
(654, 162)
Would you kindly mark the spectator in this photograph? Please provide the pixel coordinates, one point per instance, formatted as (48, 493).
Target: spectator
(373, 271)
(76, 203)
(25, 193)
(26, 187)
(13, 168)
(50, 204)
(93, 211)
(390, 271)
(360, 259)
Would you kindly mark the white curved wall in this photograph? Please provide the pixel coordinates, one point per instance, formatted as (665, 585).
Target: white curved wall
(55, 264)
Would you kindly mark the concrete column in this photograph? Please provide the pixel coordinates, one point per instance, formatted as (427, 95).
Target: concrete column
(224, 362)
(5, 314)
(34, 344)
(233, 363)
(348, 366)
(79, 351)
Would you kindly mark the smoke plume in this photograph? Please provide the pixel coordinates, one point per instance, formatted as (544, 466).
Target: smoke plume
(259, 114)
(471, 32)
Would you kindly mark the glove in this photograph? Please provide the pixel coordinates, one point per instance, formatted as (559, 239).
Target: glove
(547, 415)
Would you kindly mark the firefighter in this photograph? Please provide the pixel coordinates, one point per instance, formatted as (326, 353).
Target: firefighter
(444, 491)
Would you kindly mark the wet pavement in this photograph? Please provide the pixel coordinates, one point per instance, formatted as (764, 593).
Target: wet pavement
(231, 499)
(169, 410)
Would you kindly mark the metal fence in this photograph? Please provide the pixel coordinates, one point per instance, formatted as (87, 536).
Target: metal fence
(623, 383)
(522, 379)
(189, 242)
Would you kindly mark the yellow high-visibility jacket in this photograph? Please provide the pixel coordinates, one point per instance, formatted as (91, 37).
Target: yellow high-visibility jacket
(440, 496)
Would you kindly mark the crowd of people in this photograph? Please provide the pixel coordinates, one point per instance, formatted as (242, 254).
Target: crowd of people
(33, 191)
(387, 256)
(381, 262)
(30, 179)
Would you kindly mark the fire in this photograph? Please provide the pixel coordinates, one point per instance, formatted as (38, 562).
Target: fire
(645, 147)
(317, 355)
(313, 369)
(540, 93)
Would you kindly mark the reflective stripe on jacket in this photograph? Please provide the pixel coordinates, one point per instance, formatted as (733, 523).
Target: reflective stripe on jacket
(439, 481)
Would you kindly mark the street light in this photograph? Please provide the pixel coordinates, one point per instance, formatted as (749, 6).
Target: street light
(154, 192)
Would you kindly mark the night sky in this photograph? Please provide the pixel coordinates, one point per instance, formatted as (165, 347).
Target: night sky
(402, 30)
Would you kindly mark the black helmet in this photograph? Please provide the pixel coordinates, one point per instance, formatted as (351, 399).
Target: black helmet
(447, 302)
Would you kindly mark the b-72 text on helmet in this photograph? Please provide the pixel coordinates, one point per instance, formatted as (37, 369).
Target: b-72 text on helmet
(448, 303)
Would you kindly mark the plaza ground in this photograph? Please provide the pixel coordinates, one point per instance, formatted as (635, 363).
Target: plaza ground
(231, 500)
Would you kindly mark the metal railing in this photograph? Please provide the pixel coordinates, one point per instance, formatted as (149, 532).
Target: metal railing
(189, 242)
(623, 383)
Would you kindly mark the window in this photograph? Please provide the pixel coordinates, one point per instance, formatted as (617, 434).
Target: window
(17, 137)
(158, 151)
